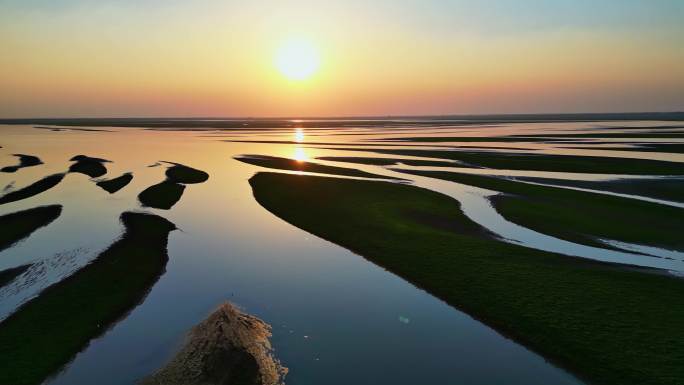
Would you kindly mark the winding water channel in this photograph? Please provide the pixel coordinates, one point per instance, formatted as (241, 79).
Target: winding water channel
(336, 318)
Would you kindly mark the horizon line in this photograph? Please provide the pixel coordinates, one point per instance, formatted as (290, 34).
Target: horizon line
(360, 117)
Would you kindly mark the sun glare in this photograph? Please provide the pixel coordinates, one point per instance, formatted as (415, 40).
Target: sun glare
(297, 59)
(300, 154)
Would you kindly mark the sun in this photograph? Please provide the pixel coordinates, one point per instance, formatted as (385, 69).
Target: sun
(297, 59)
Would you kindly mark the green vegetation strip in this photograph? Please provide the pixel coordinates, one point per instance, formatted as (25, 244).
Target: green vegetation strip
(33, 189)
(48, 331)
(24, 161)
(19, 225)
(672, 148)
(115, 184)
(609, 324)
(437, 139)
(545, 162)
(295, 165)
(670, 189)
(654, 134)
(578, 216)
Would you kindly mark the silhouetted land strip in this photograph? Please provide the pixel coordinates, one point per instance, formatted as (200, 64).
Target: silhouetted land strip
(71, 129)
(93, 167)
(19, 225)
(620, 127)
(387, 161)
(613, 135)
(577, 216)
(33, 189)
(48, 331)
(24, 161)
(167, 193)
(296, 165)
(546, 162)
(115, 184)
(162, 195)
(610, 324)
(428, 139)
(228, 348)
(673, 148)
(180, 173)
(8, 275)
(670, 189)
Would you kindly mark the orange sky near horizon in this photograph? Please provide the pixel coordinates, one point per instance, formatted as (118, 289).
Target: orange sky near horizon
(115, 59)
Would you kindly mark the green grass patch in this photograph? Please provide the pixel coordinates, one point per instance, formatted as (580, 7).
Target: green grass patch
(296, 165)
(670, 189)
(24, 161)
(671, 148)
(578, 216)
(545, 162)
(48, 331)
(33, 189)
(19, 225)
(604, 322)
(115, 184)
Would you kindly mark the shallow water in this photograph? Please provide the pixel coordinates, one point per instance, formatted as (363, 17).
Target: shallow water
(336, 318)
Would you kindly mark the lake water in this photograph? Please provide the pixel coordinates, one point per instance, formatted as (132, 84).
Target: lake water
(336, 318)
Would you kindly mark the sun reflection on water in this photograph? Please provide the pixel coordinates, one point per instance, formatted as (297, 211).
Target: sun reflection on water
(299, 135)
(299, 154)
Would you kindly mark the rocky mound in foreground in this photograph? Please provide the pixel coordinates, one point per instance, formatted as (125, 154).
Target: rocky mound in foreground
(227, 348)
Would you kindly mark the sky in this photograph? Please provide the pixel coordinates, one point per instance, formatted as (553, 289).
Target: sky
(172, 58)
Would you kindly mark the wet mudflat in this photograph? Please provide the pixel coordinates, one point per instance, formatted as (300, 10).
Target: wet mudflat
(321, 301)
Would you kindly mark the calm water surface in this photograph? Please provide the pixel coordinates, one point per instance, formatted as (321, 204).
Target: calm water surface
(336, 318)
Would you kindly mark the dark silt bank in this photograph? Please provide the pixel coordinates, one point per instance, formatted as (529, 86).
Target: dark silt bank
(18, 225)
(162, 195)
(115, 184)
(24, 161)
(165, 194)
(93, 167)
(62, 319)
(33, 189)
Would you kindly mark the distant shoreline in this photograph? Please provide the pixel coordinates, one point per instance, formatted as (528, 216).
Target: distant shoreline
(544, 117)
(360, 121)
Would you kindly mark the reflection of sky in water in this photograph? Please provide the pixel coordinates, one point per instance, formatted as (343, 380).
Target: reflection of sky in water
(363, 325)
